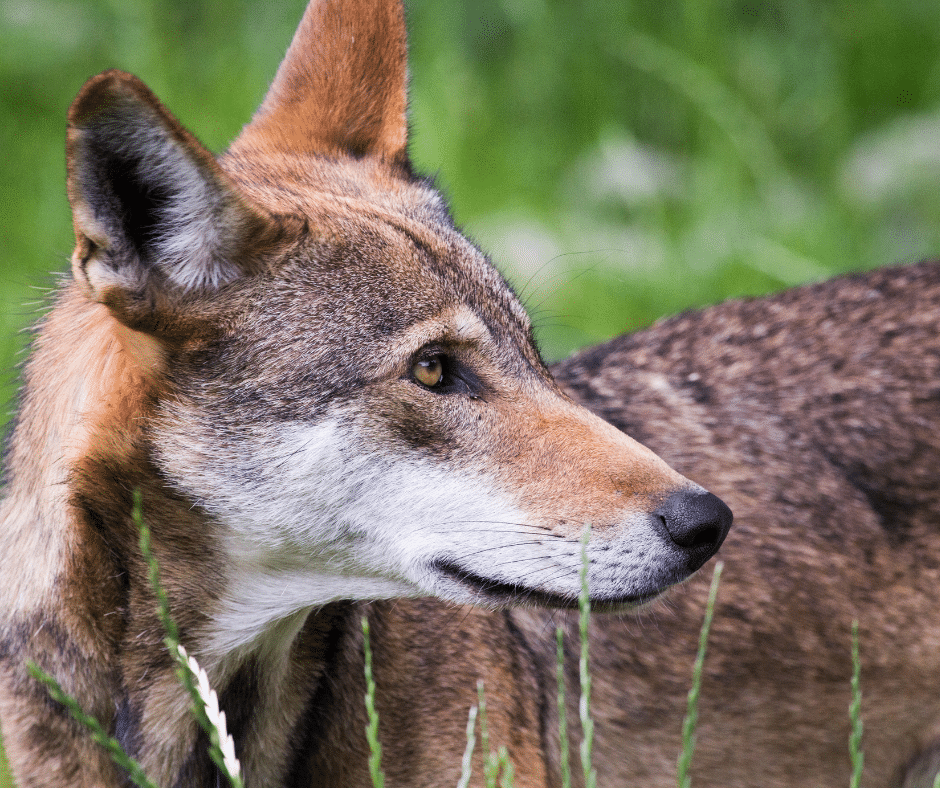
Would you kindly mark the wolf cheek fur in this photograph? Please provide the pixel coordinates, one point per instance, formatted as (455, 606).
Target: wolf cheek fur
(238, 342)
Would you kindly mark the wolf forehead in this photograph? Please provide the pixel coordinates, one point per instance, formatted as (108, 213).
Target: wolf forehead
(375, 236)
(374, 266)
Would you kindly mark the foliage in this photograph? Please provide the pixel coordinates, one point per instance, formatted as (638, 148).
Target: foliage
(100, 736)
(372, 729)
(498, 769)
(205, 703)
(683, 778)
(584, 705)
(856, 756)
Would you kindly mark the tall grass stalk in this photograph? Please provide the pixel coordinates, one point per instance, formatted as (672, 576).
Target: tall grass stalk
(584, 707)
(100, 736)
(6, 779)
(563, 743)
(221, 745)
(498, 769)
(683, 778)
(506, 770)
(466, 765)
(491, 763)
(195, 681)
(855, 714)
(372, 729)
(205, 702)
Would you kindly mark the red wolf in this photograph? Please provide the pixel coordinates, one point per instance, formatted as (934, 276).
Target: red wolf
(332, 405)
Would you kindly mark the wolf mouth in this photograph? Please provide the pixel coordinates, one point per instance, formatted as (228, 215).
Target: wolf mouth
(499, 593)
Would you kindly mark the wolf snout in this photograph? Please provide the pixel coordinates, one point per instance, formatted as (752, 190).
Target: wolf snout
(697, 522)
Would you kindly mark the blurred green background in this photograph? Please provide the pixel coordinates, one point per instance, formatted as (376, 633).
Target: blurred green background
(620, 160)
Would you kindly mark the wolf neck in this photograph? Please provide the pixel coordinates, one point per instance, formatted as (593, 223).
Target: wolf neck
(258, 609)
(97, 380)
(278, 701)
(76, 454)
(272, 683)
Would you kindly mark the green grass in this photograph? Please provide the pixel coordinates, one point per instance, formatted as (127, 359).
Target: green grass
(497, 766)
(622, 161)
(372, 729)
(564, 746)
(856, 756)
(204, 701)
(95, 729)
(6, 781)
(683, 778)
(584, 672)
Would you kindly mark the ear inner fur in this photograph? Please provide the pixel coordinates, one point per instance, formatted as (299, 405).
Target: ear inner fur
(153, 212)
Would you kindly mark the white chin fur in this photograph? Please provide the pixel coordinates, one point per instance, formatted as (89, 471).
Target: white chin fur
(310, 518)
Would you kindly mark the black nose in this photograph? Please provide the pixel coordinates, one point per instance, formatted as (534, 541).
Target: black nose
(696, 521)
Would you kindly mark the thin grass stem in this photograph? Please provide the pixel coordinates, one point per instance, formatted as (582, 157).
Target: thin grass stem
(491, 764)
(584, 707)
(564, 744)
(466, 765)
(855, 714)
(372, 729)
(683, 778)
(506, 768)
(134, 770)
(205, 703)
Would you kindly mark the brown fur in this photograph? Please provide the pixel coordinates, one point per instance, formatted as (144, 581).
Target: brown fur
(181, 348)
(815, 412)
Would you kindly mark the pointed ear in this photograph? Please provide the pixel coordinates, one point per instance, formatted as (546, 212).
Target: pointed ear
(343, 85)
(152, 210)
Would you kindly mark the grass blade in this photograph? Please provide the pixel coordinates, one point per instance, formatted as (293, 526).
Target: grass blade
(562, 712)
(466, 767)
(506, 769)
(134, 770)
(683, 778)
(855, 714)
(372, 729)
(195, 681)
(584, 707)
(491, 764)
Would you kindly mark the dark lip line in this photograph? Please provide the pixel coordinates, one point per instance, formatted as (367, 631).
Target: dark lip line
(503, 593)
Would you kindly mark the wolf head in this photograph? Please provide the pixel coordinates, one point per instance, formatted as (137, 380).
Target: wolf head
(329, 373)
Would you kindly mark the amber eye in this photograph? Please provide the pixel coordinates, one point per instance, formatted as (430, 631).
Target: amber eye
(429, 371)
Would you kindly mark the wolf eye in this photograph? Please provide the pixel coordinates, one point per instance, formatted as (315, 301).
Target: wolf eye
(429, 371)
